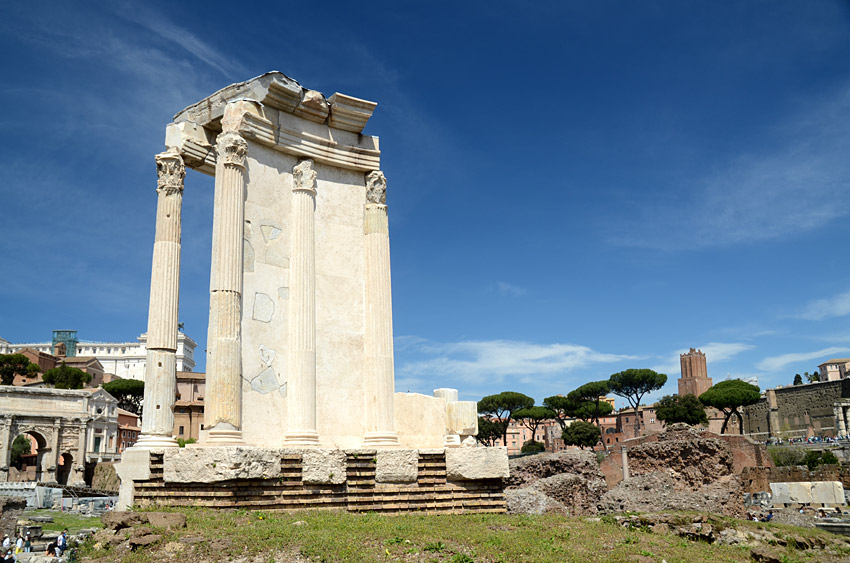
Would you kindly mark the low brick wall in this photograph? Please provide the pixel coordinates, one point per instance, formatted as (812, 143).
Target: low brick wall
(431, 492)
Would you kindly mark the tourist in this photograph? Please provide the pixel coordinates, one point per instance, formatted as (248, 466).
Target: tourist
(7, 543)
(19, 545)
(7, 556)
(27, 544)
(51, 549)
(62, 543)
(769, 516)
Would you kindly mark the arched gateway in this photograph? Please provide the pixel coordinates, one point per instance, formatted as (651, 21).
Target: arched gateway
(69, 427)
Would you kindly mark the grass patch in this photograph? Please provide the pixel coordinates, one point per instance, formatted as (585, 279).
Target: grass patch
(62, 520)
(472, 538)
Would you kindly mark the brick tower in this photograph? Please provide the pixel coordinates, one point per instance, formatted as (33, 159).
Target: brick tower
(694, 378)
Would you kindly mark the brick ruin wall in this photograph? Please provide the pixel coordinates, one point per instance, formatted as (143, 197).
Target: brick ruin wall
(799, 409)
(431, 492)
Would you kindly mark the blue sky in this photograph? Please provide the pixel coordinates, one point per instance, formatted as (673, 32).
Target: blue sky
(574, 188)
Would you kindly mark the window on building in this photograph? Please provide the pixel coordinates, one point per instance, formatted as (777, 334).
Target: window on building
(180, 432)
(652, 421)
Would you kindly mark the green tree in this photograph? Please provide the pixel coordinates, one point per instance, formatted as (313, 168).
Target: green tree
(686, 408)
(811, 377)
(786, 455)
(533, 417)
(633, 384)
(814, 458)
(500, 408)
(593, 393)
(729, 396)
(20, 446)
(65, 377)
(581, 434)
(562, 407)
(798, 380)
(15, 364)
(489, 432)
(129, 393)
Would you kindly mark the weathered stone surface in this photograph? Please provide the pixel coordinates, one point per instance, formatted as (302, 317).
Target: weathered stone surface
(134, 466)
(571, 479)
(397, 466)
(263, 308)
(266, 354)
(265, 382)
(477, 463)
(211, 464)
(829, 492)
(323, 467)
(10, 509)
(530, 501)
(577, 493)
(169, 520)
(659, 491)
(120, 520)
(526, 470)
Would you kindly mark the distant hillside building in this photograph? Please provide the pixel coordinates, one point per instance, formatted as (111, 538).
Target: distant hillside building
(834, 369)
(124, 359)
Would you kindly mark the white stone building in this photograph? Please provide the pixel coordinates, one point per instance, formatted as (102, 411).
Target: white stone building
(124, 359)
(71, 428)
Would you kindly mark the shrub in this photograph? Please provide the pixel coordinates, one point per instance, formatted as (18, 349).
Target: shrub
(783, 456)
(532, 447)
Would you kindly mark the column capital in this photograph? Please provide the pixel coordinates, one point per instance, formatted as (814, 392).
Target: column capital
(170, 172)
(376, 187)
(304, 177)
(232, 149)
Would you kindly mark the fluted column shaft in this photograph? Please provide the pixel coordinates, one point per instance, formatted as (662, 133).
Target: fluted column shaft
(379, 377)
(223, 404)
(301, 425)
(161, 364)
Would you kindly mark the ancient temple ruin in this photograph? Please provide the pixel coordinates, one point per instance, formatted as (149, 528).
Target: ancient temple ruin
(300, 341)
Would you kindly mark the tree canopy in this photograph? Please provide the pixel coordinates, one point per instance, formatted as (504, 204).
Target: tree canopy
(561, 406)
(533, 417)
(589, 398)
(729, 396)
(633, 384)
(65, 377)
(685, 408)
(581, 434)
(489, 431)
(129, 393)
(501, 408)
(15, 364)
(811, 377)
(797, 379)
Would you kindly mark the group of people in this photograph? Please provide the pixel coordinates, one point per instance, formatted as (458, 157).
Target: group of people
(24, 545)
(760, 517)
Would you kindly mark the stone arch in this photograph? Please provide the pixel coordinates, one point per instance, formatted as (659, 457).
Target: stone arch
(63, 470)
(42, 447)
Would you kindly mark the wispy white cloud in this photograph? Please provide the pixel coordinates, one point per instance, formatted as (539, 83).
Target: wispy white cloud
(510, 290)
(774, 363)
(797, 185)
(494, 360)
(836, 306)
(715, 352)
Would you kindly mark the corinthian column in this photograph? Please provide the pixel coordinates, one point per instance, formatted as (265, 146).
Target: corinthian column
(161, 364)
(380, 384)
(223, 404)
(301, 384)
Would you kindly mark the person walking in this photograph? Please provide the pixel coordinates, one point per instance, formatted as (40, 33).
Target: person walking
(27, 544)
(62, 543)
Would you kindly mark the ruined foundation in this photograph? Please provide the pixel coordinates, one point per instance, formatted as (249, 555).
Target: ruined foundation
(393, 481)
